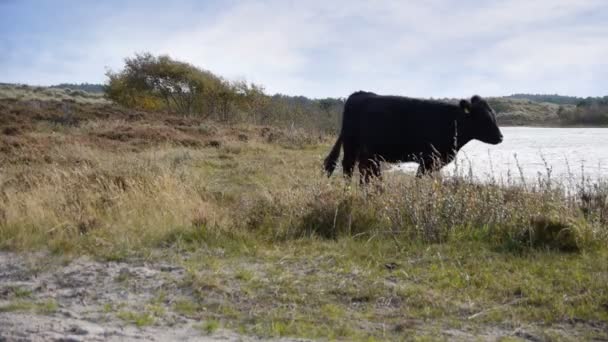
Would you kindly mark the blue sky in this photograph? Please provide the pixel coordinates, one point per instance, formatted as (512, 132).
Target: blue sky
(320, 48)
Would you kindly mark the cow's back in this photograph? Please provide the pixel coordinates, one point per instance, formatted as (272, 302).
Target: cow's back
(398, 128)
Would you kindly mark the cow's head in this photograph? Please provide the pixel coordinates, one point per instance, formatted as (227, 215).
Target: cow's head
(483, 120)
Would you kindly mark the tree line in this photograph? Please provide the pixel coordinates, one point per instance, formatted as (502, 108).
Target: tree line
(549, 98)
(160, 83)
(588, 111)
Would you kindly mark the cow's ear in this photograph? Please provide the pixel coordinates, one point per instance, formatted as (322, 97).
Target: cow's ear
(465, 106)
(475, 99)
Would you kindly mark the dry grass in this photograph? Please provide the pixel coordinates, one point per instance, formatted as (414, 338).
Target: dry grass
(116, 187)
(120, 181)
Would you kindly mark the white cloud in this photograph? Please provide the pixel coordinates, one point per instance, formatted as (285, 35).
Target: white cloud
(321, 48)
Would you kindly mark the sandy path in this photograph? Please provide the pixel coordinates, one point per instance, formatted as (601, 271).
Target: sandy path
(77, 301)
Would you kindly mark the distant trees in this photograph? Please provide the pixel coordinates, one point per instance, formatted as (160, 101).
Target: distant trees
(572, 111)
(554, 98)
(592, 102)
(590, 111)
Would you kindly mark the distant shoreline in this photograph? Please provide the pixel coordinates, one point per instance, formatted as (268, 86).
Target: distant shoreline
(551, 126)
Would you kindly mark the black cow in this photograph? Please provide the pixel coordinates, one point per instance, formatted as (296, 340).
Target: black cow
(394, 129)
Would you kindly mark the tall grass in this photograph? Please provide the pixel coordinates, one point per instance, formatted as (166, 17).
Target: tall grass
(117, 204)
(432, 210)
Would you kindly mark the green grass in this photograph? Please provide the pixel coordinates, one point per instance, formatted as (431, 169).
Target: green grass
(186, 307)
(140, 319)
(46, 307)
(108, 308)
(210, 326)
(18, 292)
(343, 289)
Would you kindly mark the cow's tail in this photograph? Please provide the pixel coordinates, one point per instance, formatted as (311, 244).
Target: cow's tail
(331, 159)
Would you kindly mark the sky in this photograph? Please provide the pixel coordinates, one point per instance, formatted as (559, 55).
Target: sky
(321, 48)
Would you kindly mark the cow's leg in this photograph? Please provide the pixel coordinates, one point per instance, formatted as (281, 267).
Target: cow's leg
(422, 170)
(428, 166)
(376, 168)
(369, 168)
(349, 160)
(365, 170)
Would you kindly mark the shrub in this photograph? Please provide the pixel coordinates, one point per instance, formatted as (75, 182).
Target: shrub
(162, 83)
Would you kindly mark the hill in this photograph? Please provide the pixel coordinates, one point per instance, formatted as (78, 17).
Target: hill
(324, 115)
(88, 87)
(556, 99)
(22, 92)
(521, 112)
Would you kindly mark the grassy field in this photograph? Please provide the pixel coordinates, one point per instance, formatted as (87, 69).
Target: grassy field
(271, 247)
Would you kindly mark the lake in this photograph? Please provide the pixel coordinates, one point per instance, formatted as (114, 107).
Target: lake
(569, 153)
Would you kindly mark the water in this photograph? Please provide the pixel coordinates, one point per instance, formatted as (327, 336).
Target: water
(571, 155)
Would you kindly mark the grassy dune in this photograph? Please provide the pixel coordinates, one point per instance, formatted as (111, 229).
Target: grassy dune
(30, 93)
(273, 248)
(519, 112)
